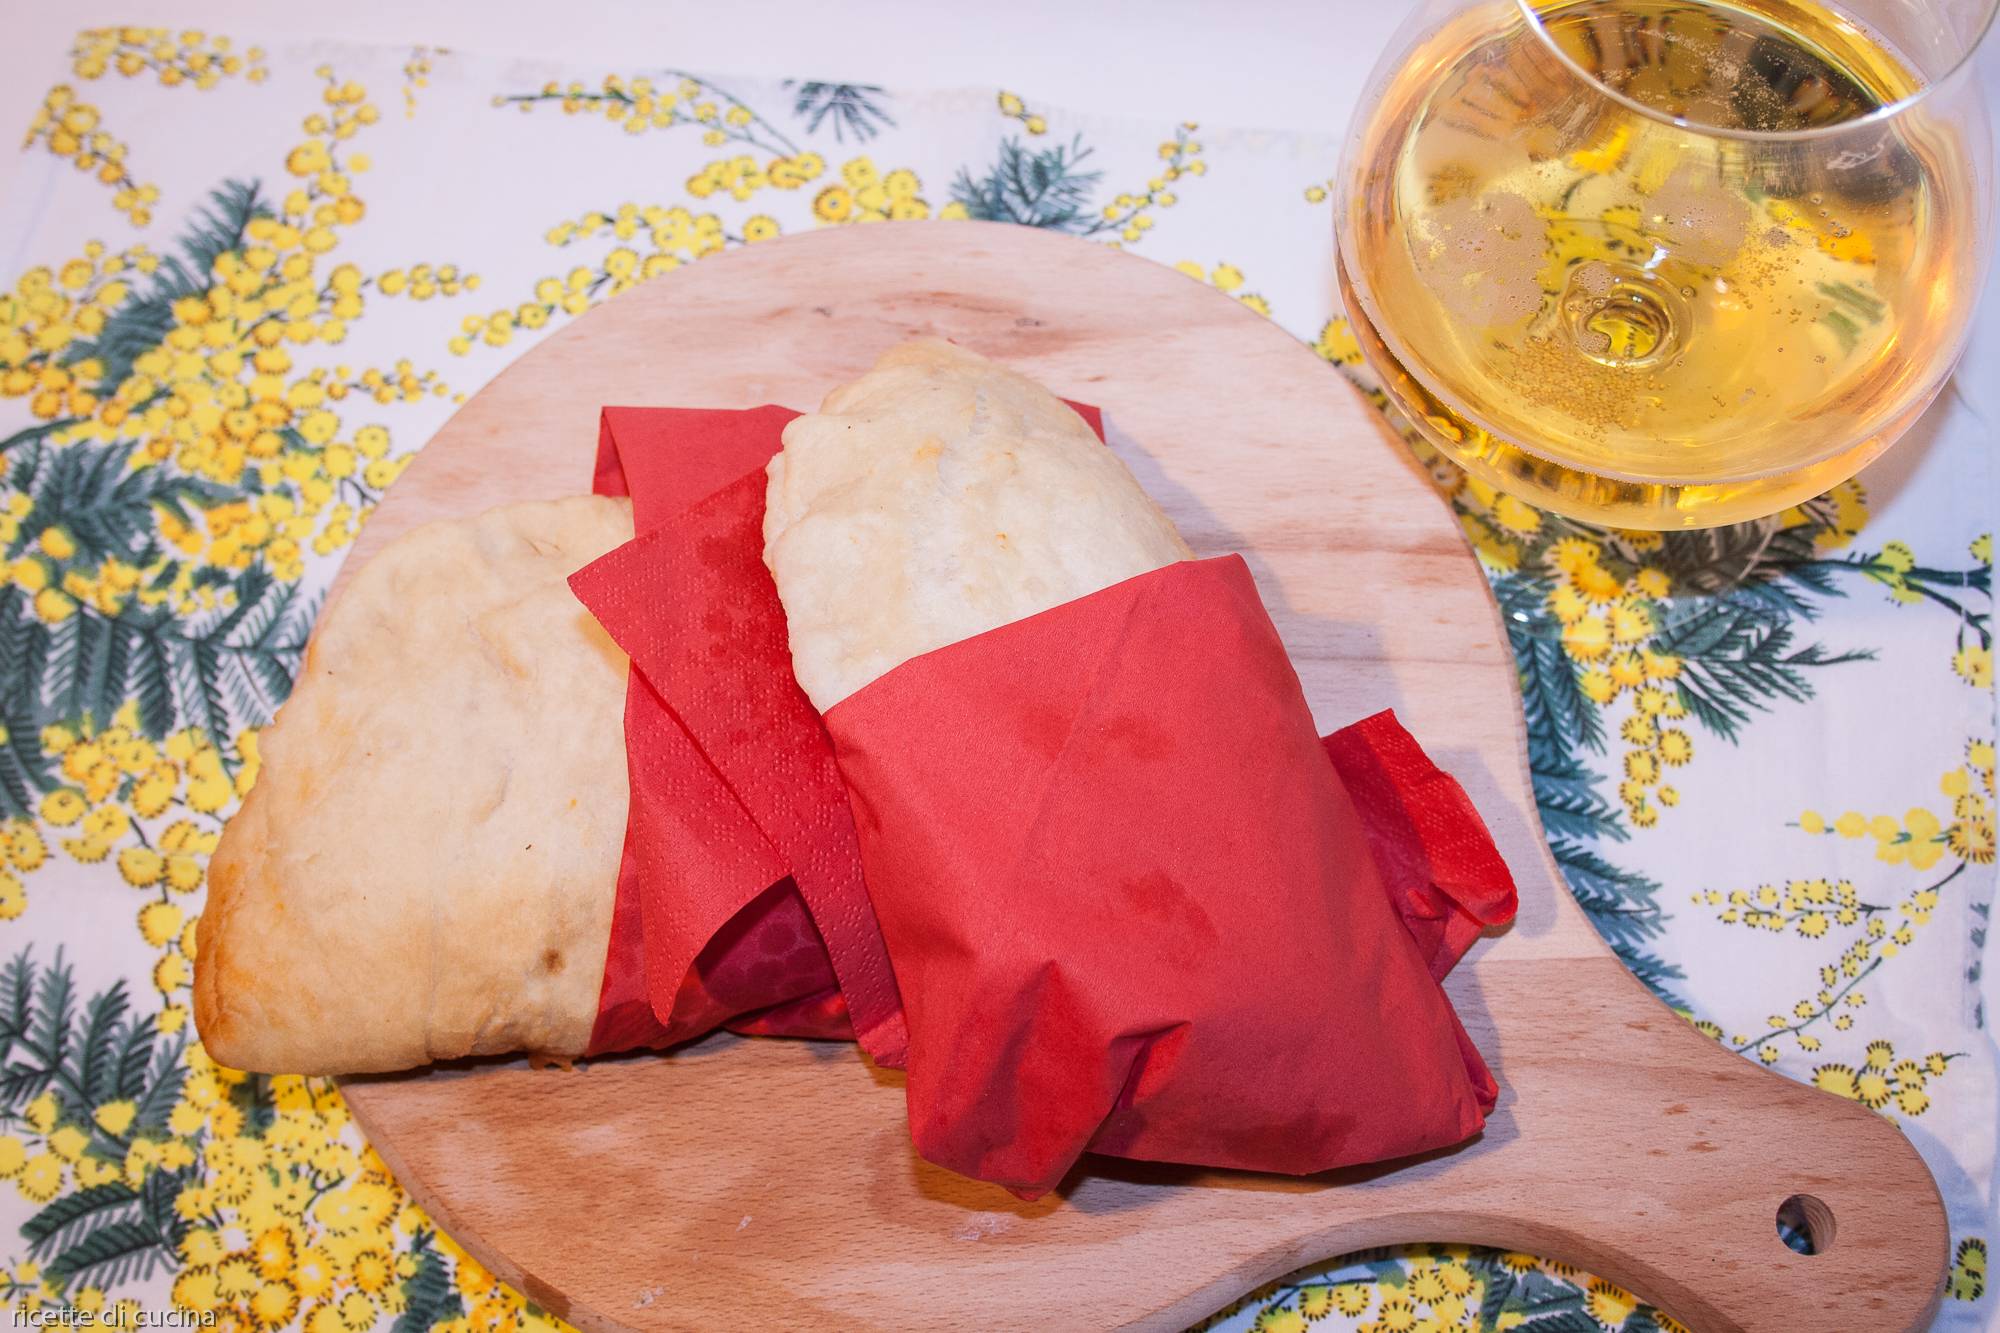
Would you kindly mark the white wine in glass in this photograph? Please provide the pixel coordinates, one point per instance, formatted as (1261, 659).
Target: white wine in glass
(1668, 263)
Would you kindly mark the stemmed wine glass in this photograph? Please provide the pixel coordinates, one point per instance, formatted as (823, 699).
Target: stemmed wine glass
(1668, 263)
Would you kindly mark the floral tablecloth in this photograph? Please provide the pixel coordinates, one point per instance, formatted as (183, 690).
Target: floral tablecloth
(240, 288)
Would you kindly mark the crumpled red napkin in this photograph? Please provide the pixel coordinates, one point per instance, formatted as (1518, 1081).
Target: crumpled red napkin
(1108, 930)
(750, 906)
(1132, 906)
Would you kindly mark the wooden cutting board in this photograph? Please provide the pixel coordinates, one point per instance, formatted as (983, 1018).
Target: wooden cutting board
(772, 1183)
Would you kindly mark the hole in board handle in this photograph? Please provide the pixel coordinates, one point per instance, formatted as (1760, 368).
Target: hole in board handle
(1805, 1224)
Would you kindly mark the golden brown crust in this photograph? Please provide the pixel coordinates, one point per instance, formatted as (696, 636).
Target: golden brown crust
(426, 865)
(936, 497)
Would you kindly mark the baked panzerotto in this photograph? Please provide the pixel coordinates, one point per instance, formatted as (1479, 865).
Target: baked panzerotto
(937, 497)
(426, 866)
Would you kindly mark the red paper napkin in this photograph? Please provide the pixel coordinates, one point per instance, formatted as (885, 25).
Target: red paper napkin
(1132, 906)
(1141, 944)
(750, 910)
(739, 899)
(1431, 849)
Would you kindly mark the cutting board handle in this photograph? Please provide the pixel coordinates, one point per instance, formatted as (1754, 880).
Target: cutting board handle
(1663, 1162)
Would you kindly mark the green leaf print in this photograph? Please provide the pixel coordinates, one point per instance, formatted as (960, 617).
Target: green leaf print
(1034, 187)
(854, 108)
(141, 323)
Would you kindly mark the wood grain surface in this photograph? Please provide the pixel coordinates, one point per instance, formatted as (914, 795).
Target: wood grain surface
(771, 1183)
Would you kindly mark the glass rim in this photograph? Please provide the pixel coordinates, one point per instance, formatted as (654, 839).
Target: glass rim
(1881, 114)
